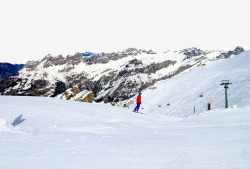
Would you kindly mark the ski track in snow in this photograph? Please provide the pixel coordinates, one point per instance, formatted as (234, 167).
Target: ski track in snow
(73, 135)
(182, 91)
(50, 133)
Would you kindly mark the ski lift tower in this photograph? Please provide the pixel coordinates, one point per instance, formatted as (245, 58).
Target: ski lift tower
(225, 83)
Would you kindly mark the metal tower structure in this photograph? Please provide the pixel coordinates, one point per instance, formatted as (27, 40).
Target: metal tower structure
(225, 83)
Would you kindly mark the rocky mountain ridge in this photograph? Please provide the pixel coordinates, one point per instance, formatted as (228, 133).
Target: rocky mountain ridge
(107, 75)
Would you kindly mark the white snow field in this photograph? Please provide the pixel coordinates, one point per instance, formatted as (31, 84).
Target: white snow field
(60, 134)
(51, 133)
(183, 92)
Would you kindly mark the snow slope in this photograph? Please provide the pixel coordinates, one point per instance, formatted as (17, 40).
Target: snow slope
(52, 133)
(108, 76)
(60, 134)
(182, 92)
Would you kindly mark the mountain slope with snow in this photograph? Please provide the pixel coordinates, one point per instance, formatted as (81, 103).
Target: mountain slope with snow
(178, 96)
(8, 69)
(73, 135)
(42, 132)
(108, 76)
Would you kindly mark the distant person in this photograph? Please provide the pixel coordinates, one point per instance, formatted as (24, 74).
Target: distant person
(138, 102)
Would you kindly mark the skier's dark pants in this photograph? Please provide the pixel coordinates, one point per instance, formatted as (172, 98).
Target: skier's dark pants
(137, 107)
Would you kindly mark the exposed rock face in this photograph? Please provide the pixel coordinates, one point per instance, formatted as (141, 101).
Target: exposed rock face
(105, 76)
(7, 84)
(89, 98)
(77, 95)
(236, 51)
(60, 88)
(190, 52)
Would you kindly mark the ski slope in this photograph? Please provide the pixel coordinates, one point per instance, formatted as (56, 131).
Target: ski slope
(60, 134)
(50, 133)
(183, 92)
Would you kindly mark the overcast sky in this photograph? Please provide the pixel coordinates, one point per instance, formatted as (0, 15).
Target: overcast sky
(31, 29)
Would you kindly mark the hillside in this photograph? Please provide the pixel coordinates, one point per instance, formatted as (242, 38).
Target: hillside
(7, 69)
(178, 96)
(40, 132)
(106, 75)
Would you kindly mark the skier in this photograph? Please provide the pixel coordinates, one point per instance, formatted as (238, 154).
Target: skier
(138, 102)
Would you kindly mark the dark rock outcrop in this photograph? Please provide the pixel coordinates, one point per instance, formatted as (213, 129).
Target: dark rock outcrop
(238, 50)
(60, 88)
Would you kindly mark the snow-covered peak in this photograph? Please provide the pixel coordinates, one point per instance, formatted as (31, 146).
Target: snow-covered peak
(171, 130)
(135, 51)
(107, 75)
(190, 92)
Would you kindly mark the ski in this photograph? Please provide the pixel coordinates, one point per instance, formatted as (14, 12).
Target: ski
(137, 112)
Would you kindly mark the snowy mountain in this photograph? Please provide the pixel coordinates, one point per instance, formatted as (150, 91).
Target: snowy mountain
(106, 75)
(190, 92)
(40, 132)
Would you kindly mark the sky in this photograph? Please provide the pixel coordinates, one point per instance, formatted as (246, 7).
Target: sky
(31, 29)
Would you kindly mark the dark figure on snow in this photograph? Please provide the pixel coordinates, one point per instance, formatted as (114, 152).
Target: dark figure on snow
(138, 103)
